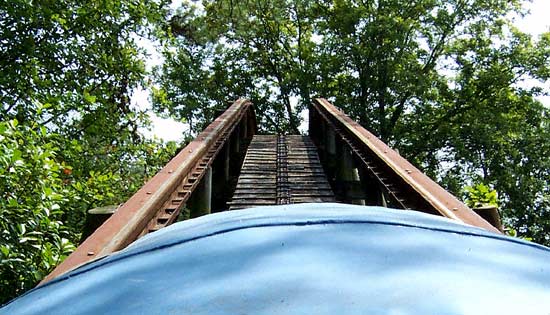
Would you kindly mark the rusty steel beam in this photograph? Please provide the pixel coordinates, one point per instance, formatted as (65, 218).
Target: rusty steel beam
(126, 224)
(441, 200)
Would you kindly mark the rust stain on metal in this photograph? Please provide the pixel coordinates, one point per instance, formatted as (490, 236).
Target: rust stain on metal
(125, 225)
(286, 170)
(441, 200)
(172, 207)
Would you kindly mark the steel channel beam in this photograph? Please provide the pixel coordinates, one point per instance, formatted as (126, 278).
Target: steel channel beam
(330, 123)
(124, 226)
(213, 151)
(441, 200)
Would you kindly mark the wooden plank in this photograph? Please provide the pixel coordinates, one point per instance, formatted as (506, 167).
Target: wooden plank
(257, 183)
(304, 180)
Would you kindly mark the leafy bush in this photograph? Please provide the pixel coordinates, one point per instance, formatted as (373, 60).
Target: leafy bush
(480, 195)
(44, 198)
(33, 239)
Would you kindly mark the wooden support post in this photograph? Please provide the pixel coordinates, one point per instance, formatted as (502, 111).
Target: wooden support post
(345, 167)
(201, 200)
(236, 142)
(95, 218)
(331, 141)
(344, 172)
(245, 130)
(357, 179)
(382, 197)
(370, 187)
(226, 159)
(329, 153)
(491, 215)
(318, 133)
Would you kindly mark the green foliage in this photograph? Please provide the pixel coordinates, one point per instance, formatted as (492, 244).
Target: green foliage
(69, 137)
(78, 58)
(451, 84)
(43, 199)
(33, 239)
(480, 195)
(257, 49)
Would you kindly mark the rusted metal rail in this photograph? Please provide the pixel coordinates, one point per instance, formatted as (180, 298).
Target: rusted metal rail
(160, 200)
(401, 185)
(339, 160)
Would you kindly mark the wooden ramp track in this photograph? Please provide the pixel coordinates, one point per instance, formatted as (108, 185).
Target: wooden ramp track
(228, 166)
(281, 170)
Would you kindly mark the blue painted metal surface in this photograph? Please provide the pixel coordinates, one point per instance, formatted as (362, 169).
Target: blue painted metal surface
(307, 259)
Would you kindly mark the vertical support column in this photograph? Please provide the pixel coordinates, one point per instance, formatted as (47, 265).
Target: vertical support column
(226, 159)
(345, 167)
(351, 189)
(330, 158)
(370, 188)
(382, 197)
(331, 141)
(317, 133)
(344, 173)
(201, 200)
(358, 189)
(373, 191)
(221, 186)
(236, 141)
(235, 156)
(244, 129)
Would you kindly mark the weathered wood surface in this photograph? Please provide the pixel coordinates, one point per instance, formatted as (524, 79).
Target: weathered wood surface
(257, 184)
(276, 165)
(307, 179)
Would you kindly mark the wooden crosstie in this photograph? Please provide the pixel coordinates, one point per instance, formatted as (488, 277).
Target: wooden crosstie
(229, 166)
